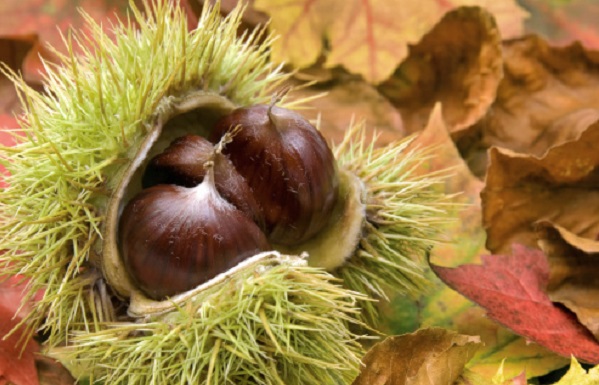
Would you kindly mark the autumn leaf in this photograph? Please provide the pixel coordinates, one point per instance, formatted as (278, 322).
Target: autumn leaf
(52, 372)
(576, 375)
(12, 54)
(518, 380)
(511, 289)
(366, 36)
(48, 19)
(564, 21)
(45, 22)
(17, 365)
(560, 187)
(440, 306)
(457, 63)
(427, 357)
(469, 377)
(369, 38)
(574, 267)
(547, 97)
(348, 99)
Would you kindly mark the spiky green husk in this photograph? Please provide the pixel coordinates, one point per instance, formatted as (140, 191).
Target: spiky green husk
(81, 133)
(405, 214)
(281, 323)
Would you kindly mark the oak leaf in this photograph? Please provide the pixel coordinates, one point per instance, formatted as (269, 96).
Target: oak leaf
(561, 187)
(512, 290)
(367, 37)
(432, 356)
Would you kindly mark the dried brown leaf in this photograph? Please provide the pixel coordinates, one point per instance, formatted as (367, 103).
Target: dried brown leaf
(561, 187)
(457, 63)
(432, 356)
(574, 268)
(547, 97)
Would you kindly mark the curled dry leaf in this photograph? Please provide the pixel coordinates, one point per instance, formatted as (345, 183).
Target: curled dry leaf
(561, 187)
(432, 356)
(547, 97)
(512, 290)
(574, 267)
(457, 63)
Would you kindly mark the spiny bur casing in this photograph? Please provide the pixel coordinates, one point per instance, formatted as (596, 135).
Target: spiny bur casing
(273, 320)
(276, 318)
(406, 209)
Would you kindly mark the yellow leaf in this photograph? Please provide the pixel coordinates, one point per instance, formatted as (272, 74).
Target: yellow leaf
(578, 376)
(371, 37)
(302, 25)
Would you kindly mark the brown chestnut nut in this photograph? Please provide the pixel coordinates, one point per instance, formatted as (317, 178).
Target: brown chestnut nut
(182, 163)
(289, 167)
(174, 238)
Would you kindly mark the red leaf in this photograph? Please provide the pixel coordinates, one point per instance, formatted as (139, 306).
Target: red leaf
(511, 289)
(16, 366)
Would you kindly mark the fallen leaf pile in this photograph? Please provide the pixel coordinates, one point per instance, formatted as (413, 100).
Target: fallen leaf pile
(515, 116)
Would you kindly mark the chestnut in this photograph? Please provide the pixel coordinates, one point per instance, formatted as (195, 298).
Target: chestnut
(182, 163)
(173, 238)
(289, 167)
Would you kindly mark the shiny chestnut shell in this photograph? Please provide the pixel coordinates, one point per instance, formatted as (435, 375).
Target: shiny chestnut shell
(182, 164)
(289, 167)
(174, 238)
